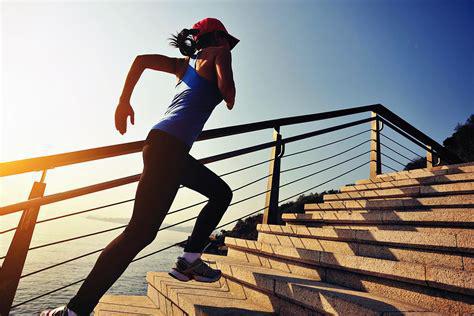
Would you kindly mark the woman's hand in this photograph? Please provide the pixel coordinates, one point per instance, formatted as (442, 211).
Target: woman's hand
(123, 110)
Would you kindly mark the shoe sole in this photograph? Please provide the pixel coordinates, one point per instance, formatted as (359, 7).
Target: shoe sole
(45, 312)
(184, 278)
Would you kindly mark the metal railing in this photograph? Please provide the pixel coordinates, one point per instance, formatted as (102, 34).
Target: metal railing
(380, 116)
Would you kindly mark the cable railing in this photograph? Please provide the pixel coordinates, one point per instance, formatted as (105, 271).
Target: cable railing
(221, 175)
(238, 188)
(389, 167)
(14, 259)
(231, 204)
(396, 152)
(173, 245)
(181, 222)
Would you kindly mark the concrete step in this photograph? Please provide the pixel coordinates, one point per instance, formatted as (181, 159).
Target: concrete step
(258, 295)
(451, 243)
(304, 291)
(316, 266)
(377, 227)
(411, 191)
(426, 257)
(402, 203)
(121, 305)
(432, 180)
(174, 297)
(420, 173)
(456, 217)
(455, 280)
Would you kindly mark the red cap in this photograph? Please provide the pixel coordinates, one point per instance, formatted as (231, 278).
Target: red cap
(211, 24)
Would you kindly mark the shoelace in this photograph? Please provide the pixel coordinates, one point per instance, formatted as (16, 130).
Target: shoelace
(206, 270)
(198, 266)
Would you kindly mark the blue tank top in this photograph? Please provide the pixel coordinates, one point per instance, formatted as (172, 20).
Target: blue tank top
(195, 99)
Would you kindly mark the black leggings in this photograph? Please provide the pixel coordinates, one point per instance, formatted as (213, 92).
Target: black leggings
(167, 164)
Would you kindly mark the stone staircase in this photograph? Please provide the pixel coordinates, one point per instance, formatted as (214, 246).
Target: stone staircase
(402, 243)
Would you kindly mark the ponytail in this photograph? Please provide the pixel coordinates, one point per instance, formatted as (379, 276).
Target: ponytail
(185, 42)
(188, 46)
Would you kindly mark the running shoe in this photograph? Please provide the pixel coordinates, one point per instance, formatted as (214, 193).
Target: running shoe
(197, 270)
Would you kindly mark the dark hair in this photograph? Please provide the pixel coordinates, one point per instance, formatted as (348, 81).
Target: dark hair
(188, 46)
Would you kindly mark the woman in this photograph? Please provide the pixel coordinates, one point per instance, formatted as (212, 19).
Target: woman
(204, 80)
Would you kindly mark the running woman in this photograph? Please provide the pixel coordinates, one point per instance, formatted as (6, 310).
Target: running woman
(205, 79)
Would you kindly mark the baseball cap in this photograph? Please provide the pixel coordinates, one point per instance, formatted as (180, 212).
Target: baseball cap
(212, 24)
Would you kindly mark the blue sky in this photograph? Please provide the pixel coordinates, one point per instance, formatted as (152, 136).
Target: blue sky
(64, 65)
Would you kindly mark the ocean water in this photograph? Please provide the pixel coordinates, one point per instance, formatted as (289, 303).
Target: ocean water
(131, 282)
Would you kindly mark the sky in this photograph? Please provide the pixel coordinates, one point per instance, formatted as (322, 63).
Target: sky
(63, 66)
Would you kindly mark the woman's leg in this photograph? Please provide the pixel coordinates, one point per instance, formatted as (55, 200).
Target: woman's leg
(164, 161)
(203, 180)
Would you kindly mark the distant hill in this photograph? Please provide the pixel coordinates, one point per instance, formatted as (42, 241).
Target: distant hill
(460, 142)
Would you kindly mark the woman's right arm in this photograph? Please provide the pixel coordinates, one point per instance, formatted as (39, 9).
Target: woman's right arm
(225, 78)
(141, 62)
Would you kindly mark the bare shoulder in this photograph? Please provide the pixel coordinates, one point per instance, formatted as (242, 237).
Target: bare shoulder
(181, 62)
(181, 65)
(219, 51)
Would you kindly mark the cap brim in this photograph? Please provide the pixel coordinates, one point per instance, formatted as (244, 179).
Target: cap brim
(232, 41)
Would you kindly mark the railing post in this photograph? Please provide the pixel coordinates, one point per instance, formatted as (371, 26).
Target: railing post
(375, 157)
(270, 215)
(14, 262)
(431, 158)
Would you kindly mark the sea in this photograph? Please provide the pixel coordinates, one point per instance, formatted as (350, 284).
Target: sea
(30, 298)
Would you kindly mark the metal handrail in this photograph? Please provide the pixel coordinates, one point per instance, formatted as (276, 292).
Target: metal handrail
(64, 159)
(175, 244)
(11, 272)
(52, 161)
(48, 199)
(223, 175)
(233, 190)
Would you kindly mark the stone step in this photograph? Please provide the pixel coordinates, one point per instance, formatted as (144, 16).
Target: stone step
(419, 173)
(259, 296)
(454, 280)
(308, 263)
(426, 257)
(377, 227)
(304, 291)
(411, 191)
(402, 203)
(456, 217)
(442, 179)
(175, 297)
(121, 305)
(451, 243)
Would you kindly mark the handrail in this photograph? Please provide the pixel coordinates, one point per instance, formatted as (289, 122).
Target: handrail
(392, 120)
(52, 161)
(226, 174)
(69, 158)
(10, 272)
(175, 244)
(56, 197)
